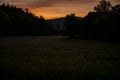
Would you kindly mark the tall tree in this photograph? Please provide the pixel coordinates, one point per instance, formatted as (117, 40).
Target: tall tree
(103, 6)
(71, 25)
(16, 21)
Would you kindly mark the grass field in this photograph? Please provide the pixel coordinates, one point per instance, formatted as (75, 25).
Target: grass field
(58, 58)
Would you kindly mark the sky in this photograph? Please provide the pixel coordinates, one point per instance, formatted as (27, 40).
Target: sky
(57, 8)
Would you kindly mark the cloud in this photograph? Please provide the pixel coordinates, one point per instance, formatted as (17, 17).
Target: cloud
(50, 3)
(32, 4)
(44, 3)
(57, 7)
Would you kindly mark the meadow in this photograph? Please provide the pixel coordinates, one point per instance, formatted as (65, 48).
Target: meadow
(58, 58)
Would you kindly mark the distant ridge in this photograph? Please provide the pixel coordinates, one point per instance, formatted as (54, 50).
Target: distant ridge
(59, 22)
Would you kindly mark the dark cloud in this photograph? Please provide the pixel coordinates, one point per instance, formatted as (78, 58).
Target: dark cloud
(48, 3)
(45, 3)
(57, 7)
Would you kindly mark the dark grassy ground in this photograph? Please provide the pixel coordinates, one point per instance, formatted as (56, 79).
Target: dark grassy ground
(58, 58)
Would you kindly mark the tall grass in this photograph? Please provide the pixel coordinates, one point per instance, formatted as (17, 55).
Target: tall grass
(58, 58)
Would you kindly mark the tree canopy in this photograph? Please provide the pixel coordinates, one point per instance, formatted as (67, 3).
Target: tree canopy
(100, 25)
(18, 21)
(103, 6)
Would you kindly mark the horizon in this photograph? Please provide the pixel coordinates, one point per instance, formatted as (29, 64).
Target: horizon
(56, 9)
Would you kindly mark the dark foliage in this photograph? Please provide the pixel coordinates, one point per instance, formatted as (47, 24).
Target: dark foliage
(104, 26)
(72, 26)
(103, 6)
(16, 21)
(116, 8)
(100, 25)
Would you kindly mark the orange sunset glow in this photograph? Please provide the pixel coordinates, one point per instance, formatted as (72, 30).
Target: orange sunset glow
(57, 8)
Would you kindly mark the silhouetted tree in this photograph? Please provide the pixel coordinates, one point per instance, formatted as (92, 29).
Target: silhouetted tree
(71, 25)
(103, 6)
(50, 28)
(16, 21)
(116, 8)
(27, 10)
(42, 25)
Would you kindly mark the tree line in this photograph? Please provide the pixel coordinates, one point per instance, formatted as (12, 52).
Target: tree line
(102, 24)
(17, 21)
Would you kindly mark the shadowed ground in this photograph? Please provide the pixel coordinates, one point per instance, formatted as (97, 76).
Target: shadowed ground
(58, 58)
